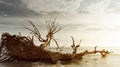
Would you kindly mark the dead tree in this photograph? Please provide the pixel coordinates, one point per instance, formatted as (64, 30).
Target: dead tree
(52, 28)
(74, 47)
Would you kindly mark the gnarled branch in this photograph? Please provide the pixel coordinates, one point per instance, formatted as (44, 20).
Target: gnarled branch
(74, 47)
(52, 27)
(35, 31)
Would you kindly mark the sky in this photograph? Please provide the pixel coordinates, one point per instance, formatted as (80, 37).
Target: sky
(95, 22)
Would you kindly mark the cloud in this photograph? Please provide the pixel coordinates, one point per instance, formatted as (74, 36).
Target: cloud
(71, 27)
(114, 6)
(53, 5)
(73, 6)
(93, 28)
(14, 3)
(101, 28)
(95, 6)
(14, 8)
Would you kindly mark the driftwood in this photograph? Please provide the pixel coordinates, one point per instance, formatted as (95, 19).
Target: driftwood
(15, 47)
(18, 47)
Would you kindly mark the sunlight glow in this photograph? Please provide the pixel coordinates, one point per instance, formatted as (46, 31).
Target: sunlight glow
(112, 19)
(111, 34)
(101, 30)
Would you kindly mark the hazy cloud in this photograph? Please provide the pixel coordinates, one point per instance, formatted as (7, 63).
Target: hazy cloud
(95, 6)
(53, 5)
(14, 3)
(48, 7)
(84, 6)
(14, 8)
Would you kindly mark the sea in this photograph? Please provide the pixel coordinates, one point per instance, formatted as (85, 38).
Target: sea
(91, 60)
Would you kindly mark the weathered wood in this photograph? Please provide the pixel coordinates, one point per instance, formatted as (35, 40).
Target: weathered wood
(18, 47)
